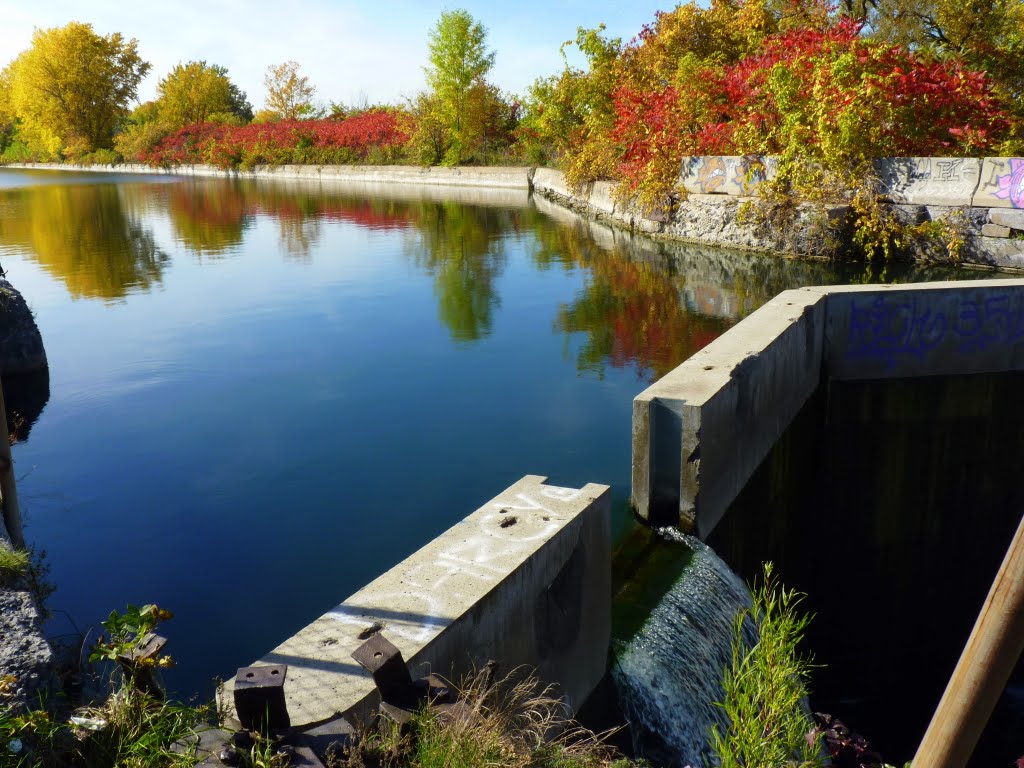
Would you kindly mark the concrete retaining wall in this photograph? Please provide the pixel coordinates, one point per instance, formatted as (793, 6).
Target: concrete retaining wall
(701, 431)
(524, 580)
(505, 177)
(979, 195)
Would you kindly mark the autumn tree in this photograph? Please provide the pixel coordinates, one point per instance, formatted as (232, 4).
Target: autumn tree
(459, 63)
(196, 92)
(987, 36)
(72, 87)
(289, 94)
(8, 122)
(570, 115)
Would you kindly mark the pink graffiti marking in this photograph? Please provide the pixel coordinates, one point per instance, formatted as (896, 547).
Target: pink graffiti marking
(1011, 185)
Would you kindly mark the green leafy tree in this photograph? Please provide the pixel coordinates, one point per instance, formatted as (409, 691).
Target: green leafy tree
(459, 63)
(570, 115)
(197, 92)
(72, 87)
(289, 94)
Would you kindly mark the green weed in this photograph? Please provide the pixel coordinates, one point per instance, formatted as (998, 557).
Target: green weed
(14, 563)
(766, 687)
(132, 730)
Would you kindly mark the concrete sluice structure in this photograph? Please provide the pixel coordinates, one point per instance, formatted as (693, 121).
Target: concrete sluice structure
(700, 432)
(523, 580)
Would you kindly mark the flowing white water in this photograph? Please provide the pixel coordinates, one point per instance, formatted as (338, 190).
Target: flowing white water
(669, 674)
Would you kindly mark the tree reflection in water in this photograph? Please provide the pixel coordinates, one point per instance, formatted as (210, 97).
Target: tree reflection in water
(85, 235)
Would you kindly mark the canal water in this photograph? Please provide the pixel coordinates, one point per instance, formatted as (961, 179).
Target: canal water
(263, 394)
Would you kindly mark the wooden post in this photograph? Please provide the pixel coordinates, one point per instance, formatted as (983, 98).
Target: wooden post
(985, 666)
(8, 491)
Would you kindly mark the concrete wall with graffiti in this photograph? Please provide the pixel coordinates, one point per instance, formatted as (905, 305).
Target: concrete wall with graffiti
(701, 431)
(992, 182)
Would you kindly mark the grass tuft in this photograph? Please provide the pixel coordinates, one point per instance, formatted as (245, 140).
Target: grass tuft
(132, 730)
(766, 687)
(512, 723)
(14, 563)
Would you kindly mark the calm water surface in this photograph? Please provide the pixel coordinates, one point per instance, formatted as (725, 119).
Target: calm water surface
(261, 395)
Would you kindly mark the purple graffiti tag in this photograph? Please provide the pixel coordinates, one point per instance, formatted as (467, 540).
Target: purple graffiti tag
(889, 331)
(993, 321)
(1011, 185)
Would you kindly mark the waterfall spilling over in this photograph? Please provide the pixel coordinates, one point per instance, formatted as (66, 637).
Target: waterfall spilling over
(669, 671)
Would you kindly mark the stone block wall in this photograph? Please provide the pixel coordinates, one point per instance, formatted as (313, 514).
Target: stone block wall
(985, 197)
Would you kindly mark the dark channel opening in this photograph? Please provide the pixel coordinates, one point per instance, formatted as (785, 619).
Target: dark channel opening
(891, 504)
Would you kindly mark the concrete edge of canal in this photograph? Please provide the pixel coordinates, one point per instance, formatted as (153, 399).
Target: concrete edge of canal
(523, 580)
(700, 431)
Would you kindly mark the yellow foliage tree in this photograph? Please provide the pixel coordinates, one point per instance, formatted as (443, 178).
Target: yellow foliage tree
(196, 92)
(289, 94)
(71, 88)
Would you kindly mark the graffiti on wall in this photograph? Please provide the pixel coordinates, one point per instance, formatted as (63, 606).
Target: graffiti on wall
(440, 583)
(1011, 185)
(725, 175)
(909, 328)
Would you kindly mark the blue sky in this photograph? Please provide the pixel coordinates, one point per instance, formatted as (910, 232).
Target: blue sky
(350, 50)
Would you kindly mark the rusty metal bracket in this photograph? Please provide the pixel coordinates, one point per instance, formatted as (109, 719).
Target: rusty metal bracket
(384, 661)
(259, 698)
(400, 695)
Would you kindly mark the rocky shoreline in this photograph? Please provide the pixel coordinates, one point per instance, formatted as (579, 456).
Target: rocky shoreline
(26, 658)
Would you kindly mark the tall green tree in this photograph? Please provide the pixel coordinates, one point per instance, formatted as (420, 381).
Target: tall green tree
(459, 63)
(72, 87)
(569, 116)
(289, 94)
(196, 92)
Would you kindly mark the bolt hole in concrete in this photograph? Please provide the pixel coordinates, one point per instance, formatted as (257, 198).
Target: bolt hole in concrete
(709, 367)
(377, 655)
(249, 674)
(508, 522)
(275, 672)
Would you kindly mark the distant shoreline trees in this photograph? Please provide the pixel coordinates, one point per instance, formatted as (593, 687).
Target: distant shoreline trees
(830, 83)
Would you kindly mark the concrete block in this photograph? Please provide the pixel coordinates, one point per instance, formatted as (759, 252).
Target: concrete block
(1014, 219)
(948, 181)
(1006, 253)
(725, 175)
(601, 197)
(994, 230)
(550, 180)
(927, 329)
(700, 431)
(524, 580)
(1002, 183)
